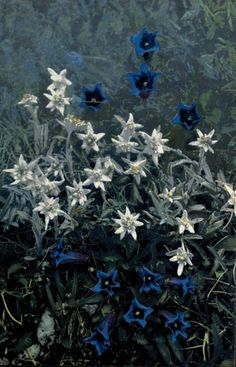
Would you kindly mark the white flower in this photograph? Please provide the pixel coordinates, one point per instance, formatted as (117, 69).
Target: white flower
(155, 145)
(42, 185)
(169, 195)
(90, 139)
(96, 176)
(77, 193)
(46, 329)
(129, 127)
(72, 123)
(185, 224)
(128, 223)
(22, 172)
(28, 100)
(232, 199)
(57, 101)
(136, 169)
(50, 208)
(204, 141)
(59, 80)
(110, 165)
(124, 145)
(182, 256)
(56, 166)
(32, 352)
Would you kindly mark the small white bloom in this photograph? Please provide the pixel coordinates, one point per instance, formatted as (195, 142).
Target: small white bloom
(204, 141)
(128, 223)
(50, 208)
(129, 127)
(77, 193)
(136, 169)
(155, 145)
(59, 80)
(96, 176)
(72, 123)
(28, 100)
(57, 101)
(46, 329)
(124, 145)
(169, 195)
(110, 165)
(90, 139)
(56, 166)
(42, 185)
(182, 256)
(32, 352)
(232, 199)
(22, 172)
(185, 224)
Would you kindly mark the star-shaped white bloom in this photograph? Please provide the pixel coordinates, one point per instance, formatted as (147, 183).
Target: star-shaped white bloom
(57, 101)
(50, 208)
(28, 100)
(232, 199)
(128, 223)
(124, 145)
(42, 185)
(185, 224)
(169, 195)
(59, 80)
(90, 139)
(136, 169)
(182, 256)
(56, 166)
(96, 176)
(77, 193)
(129, 126)
(204, 141)
(155, 144)
(110, 165)
(22, 172)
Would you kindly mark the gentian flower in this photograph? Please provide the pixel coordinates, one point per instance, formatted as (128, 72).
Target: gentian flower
(187, 116)
(176, 324)
(138, 313)
(106, 282)
(186, 283)
(150, 280)
(67, 257)
(145, 43)
(93, 98)
(143, 81)
(100, 338)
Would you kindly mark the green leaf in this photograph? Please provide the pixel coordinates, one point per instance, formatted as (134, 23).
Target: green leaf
(95, 298)
(176, 349)
(228, 243)
(164, 351)
(218, 350)
(13, 269)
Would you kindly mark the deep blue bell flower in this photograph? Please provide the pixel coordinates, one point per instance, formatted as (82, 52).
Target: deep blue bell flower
(176, 324)
(145, 43)
(67, 257)
(143, 82)
(93, 98)
(150, 280)
(187, 284)
(187, 116)
(107, 282)
(138, 313)
(100, 338)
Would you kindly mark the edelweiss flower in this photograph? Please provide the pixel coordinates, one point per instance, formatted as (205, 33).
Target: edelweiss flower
(124, 145)
(28, 100)
(129, 127)
(56, 166)
(57, 100)
(169, 195)
(182, 256)
(232, 199)
(155, 145)
(42, 185)
(50, 208)
(185, 224)
(128, 223)
(22, 172)
(90, 139)
(204, 141)
(59, 80)
(72, 123)
(96, 176)
(136, 169)
(77, 193)
(111, 166)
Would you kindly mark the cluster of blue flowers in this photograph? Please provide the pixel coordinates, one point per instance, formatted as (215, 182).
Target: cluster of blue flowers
(143, 82)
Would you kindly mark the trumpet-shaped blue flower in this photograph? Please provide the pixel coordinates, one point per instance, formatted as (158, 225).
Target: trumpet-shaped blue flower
(145, 43)
(143, 81)
(93, 98)
(68, 257)
(150, 280)
(100, 337)
(138, 313)
(107, 282)
(187, 284)
(187, 116)
(176, 324)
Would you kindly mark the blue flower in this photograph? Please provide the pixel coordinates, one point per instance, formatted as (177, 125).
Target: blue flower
(186, 283)
(187, 116)
(100, 337)
(143, 82)
(68, 257)
(138, 313)
(149, 280)
(145, 43)
(176, 324)
(93, 98)
(106, 282)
